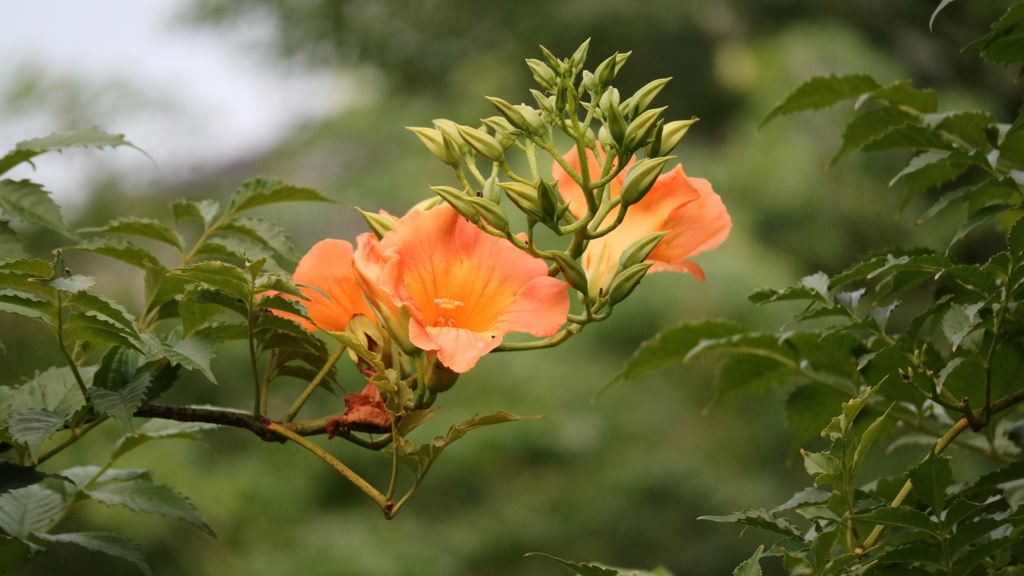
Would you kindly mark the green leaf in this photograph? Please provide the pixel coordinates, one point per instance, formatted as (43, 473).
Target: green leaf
(265, 232)
(55, 390)
(420, 457)
(746, 374)
(970, 125)
(909, 136)
(30, 203)
(105, 542)
(809, 409)
(119, 388)
(118, 249)
(931, 479)
(841, 425)
(141, 496)
(27, 511)
(82, 138)
(29, 306)
(870, 125)
(760, 519)
(195, 353)
(229, 279)
(959, 322)
(108, 311)
(1003, 44)
(160, 430)
(141, 227)
(205, 210)
(579, 568)
(13, 476)
(868, 438)
(32, 427)
(673, 345)
(262, 191)
(901, 516)
(943, 4)
(932, 168)
(902, 94)
(822, 92)
(751, 566)
(11, 247)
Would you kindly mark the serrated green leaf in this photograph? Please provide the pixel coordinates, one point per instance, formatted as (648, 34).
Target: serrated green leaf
(901, 93)
(1003, 44)
(420, 457)
(263, 191)
(205, 210)
(869, 125)
(160, 430)
(868, 438)
(909, 136)
(809, 409)
(11, 246)
(29, 510)
(580, 568)
(140, 227)
(118, 249)
(32, 427)
(841, 425)
(822, 92)
(25, 150)
(142, 496)
(931, 479)
(277, 283)
(29, 306)
(195, 353)
(30, 266)
(86, 476)
(105, 542)
(265, 232)
(971, 126)
(760, 519)
(31, 203)
(977, 555)
(751, 566)
(673, 345)
(13, 476)
(106, 310)
(119, 387)
(930, 169)
(746, 374)
(901, 516)
(226, 278)
(821, 464)
(918, 552)
(958, 323)
(55, 390)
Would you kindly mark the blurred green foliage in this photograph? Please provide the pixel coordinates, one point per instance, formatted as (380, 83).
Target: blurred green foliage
(621, 480)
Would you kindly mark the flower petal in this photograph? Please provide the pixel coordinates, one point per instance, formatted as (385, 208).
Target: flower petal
(334, 295)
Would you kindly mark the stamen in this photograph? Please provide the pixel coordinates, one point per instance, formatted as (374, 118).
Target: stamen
(446, 304)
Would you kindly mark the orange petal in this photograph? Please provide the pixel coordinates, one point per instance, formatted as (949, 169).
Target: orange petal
(334, 295)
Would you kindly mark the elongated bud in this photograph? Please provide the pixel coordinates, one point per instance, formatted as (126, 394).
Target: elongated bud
(640, 178)
(545, 103)
(642, 129)
(491, 191)
(379, 224)
(571, 271)
(614, 121)
(639, 251)
(642, 98)
(424, 205)
(511, 113)
(503, 131)
(542, 73)
(627, 281)
(459, 201)
(490, 212)
(671, 134)
(606, 71)
(434, 142)
(484, 144)
(580, 56)
(534, 123)
(551, 59)
(524, 197)
(549, 201)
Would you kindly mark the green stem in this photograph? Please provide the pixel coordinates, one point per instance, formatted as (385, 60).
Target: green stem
(313, 384)
(63, 348)
(555, 340)
(76, 435)
(382, 501)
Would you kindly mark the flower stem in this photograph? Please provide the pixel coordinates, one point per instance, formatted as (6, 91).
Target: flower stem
(313, 384)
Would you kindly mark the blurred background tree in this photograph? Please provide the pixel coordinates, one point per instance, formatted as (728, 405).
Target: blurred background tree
(619, 481)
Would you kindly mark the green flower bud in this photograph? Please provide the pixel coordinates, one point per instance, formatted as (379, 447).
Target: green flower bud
(424, 205)
(642, 129)
(545, 103)
(653, 149)
(511, 113)
(542, 73)
(378, 223)
(458, 200)
(640, 178)
(589, 82)
(549, 201)
(503, 131)
(639, 101)
(490, 212)
(491, 191)
(484, 144)
(524, 197)
(672, 133)
(627, 281)
(605, 138)
(639, 251)
(434, 142)
(534, 123)
(552, 61)
(606, 71)
(580, 56)
(588, 139)
(614, 121)
(571, 270)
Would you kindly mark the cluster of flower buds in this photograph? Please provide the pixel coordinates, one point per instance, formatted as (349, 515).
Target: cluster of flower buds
(423, 297)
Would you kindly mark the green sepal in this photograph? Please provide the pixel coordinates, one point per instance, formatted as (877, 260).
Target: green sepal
(639, 251)
(626, 281)
(379, 224)
(484, 144)
(571, 271)
(640, 178)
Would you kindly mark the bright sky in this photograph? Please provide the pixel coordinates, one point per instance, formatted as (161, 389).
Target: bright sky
(223, 103)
